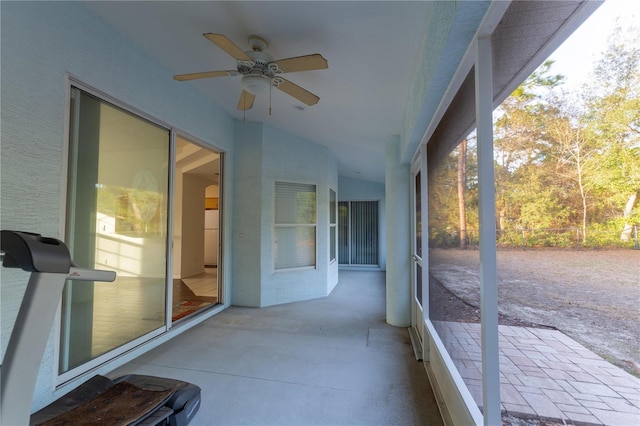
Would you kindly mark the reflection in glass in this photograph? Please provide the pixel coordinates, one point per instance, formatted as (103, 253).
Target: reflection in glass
(116, 220)
(454, 263)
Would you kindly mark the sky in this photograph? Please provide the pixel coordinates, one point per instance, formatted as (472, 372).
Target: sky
(575, 57)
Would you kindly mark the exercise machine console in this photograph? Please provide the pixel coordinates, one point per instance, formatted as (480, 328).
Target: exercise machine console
(49, 261)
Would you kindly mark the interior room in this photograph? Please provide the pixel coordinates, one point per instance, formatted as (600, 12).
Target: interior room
(196, 241)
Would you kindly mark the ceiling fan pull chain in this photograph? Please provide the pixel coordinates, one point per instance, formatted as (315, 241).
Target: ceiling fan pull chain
(270, 86)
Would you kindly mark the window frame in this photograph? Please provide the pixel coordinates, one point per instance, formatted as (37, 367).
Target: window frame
(72, 82)
(333, 226)
(286, 225)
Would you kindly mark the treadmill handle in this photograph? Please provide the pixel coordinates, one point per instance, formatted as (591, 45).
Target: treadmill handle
(83, 274)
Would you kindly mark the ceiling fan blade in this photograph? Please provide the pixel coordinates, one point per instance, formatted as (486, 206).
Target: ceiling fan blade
(246, 100)
(296, 91)
(206, 74)
(228, 46)
(301, 63)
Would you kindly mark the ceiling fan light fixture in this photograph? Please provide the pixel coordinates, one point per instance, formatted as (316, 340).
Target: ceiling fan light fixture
(256, 84)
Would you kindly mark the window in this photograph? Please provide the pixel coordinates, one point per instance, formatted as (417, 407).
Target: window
(295, 226)
(333, 221)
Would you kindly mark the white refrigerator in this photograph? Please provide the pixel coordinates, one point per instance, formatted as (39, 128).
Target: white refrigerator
(211, 220)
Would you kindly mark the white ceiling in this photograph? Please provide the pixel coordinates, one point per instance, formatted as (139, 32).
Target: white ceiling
(371, 48)
(373, 51)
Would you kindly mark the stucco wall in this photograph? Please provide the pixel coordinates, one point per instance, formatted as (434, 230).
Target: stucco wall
(288, 158)
(445, 49)
(266, 155)
(42, 43)
(247, 182)
(362, 190)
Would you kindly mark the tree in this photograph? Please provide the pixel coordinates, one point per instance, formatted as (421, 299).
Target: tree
(522, 150)
(563, 159)
(575, 154)
(462, 186)
(613, 116)
(442, 208)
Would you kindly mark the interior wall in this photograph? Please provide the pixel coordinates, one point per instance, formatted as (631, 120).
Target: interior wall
(34, 114)
(192, 247)
(177, 226)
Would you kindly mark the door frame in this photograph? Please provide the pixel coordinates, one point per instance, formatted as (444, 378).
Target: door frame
(420, 311)
(176, 133)
(95, 364)
(82, 369)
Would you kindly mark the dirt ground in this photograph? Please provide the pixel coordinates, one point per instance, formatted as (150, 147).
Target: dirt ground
(593, 296)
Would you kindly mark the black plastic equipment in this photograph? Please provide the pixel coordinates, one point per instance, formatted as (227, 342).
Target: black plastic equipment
(50, 264)
(178, 408)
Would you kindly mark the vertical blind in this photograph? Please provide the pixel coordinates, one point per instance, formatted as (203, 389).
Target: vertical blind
(358, 235)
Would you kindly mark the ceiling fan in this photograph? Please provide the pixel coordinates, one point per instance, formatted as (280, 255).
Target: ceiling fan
(260, 72)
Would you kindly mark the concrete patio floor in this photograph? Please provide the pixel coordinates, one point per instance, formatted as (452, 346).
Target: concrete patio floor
(330, 361)
(546, 375)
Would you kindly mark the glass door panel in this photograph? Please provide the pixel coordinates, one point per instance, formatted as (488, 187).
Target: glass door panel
(358, 233)
(117, 220)
(364, 232)
(417, 263)
(418, 238)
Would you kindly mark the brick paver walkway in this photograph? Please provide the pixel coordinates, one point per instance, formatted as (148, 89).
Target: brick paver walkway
(545, 374)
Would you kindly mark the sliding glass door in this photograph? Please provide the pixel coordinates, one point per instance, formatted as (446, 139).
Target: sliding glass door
(117, 214)
(358, 233)
(417, 260)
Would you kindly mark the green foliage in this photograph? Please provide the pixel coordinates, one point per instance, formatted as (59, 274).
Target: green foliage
(607, 235)
(565, 164)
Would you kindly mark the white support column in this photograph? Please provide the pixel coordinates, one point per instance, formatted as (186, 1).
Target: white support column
(487, 219)
(397, 178)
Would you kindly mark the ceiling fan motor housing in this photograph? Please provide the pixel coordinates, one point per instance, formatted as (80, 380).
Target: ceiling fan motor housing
(257, 77)
(257, 43)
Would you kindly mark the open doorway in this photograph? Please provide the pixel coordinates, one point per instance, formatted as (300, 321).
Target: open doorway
(196, 236)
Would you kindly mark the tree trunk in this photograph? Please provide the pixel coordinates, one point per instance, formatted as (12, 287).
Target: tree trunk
(583, 193)
(628, 227)
(462, 184)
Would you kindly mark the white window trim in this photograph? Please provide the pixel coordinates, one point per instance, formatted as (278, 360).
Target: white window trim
(291, 225)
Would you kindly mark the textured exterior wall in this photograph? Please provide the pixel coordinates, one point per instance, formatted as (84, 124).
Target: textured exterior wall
(451, 28)
(43, 42)
(265, 155)
(247, 189)
(362, 190)
(288, 158)
(397, 179)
